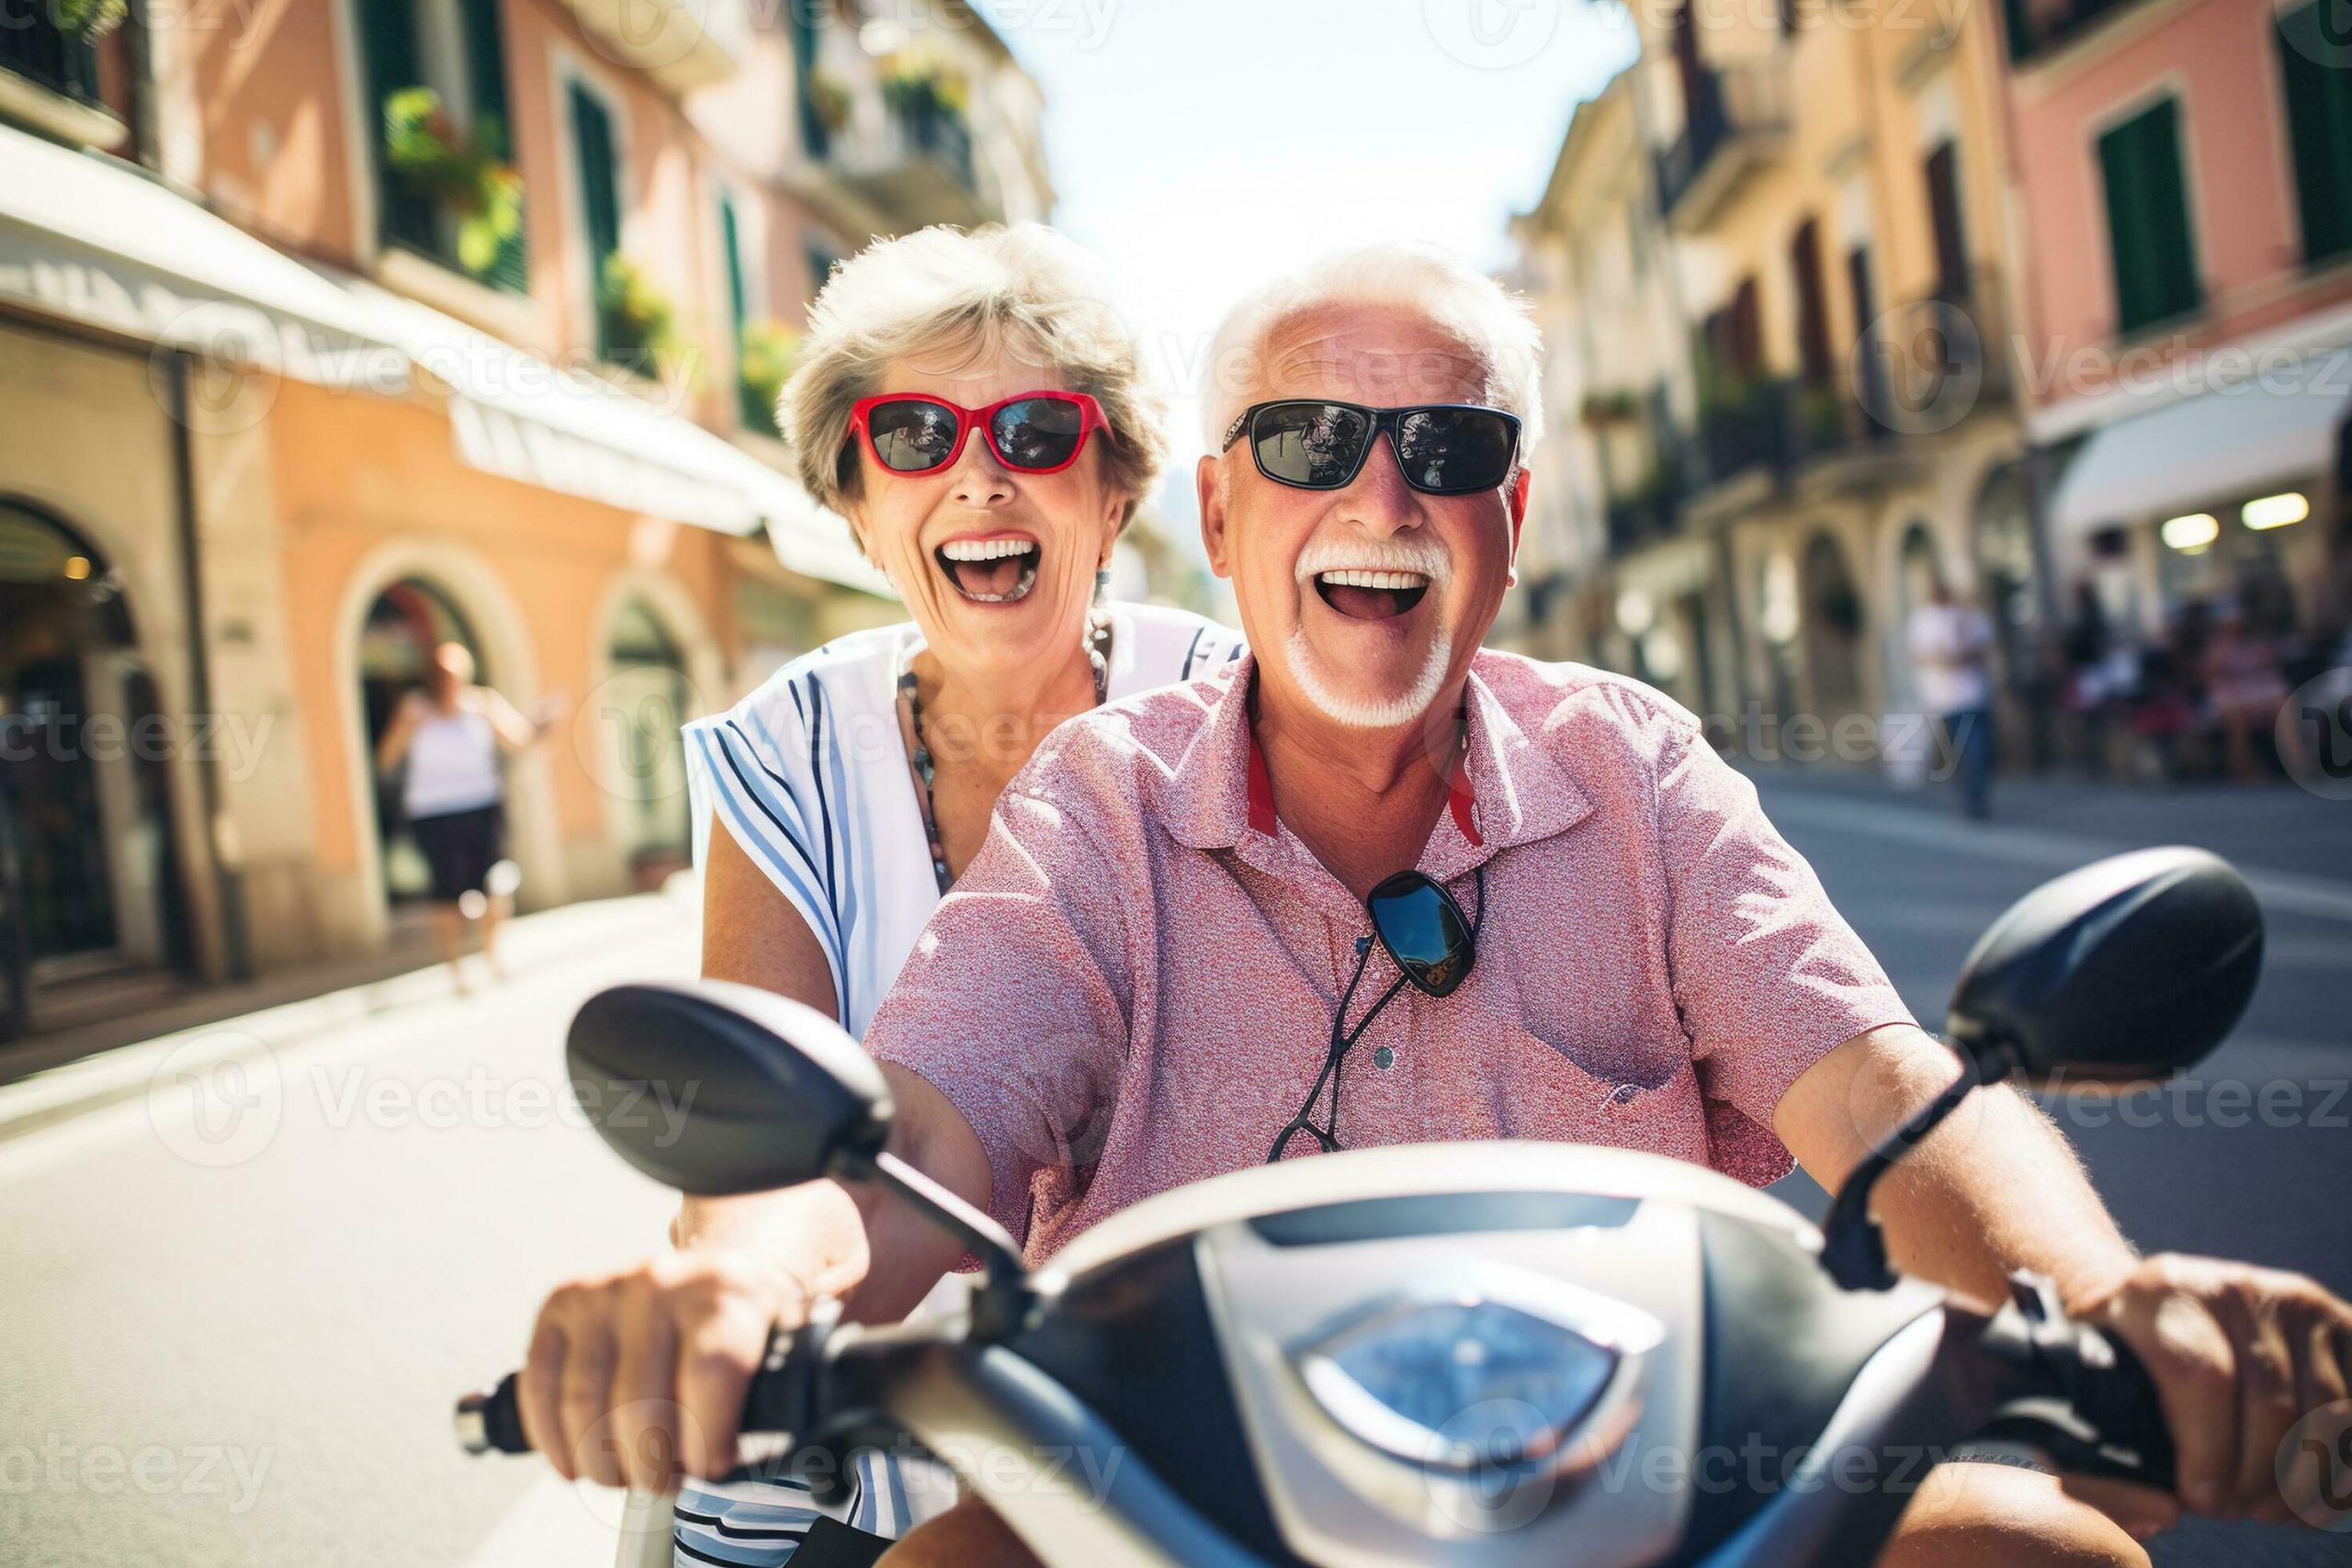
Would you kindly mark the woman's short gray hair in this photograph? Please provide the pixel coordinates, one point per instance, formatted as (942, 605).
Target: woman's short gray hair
(1022, 290)
(1490, 321)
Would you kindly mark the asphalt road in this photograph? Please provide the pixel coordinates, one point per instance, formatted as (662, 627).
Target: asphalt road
(2247, 1157)
(226, 1348)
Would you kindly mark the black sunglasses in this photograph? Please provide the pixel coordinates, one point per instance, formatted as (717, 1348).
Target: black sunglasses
(1433, 948)
(1441, 448)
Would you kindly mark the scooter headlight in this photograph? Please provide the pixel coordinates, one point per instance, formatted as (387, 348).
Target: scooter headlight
(1471, 1382)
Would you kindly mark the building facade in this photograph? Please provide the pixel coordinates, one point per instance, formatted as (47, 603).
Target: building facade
(2189, 305)
(331, 331)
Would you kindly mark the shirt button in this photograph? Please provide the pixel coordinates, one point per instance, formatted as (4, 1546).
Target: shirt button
(1384, 1058)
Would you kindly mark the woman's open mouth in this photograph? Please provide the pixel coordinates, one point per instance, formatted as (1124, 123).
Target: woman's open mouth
(990, 571)
(1371, 595)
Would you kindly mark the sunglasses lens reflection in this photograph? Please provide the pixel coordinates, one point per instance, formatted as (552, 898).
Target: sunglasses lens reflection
(1038, 433)
(1422, 930)
(1453, 451)
(913, 436)
(1312, 446)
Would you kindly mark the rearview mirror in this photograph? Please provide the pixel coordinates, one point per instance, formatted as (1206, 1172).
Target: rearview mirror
(719, 1089)
(2132, 967)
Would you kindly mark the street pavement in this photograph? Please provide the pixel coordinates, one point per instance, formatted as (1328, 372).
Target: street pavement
(234, 1341)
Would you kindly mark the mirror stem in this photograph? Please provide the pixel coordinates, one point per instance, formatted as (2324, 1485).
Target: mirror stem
(998, 1309)
(1853, 1249)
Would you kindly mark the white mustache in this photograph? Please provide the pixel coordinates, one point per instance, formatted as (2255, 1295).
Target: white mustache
(1406, 553)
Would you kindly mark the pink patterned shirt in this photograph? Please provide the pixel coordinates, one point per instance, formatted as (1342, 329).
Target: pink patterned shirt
(1131, 987)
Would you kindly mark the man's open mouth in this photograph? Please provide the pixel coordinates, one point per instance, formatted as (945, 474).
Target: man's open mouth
(1371, 595)
(990, 571)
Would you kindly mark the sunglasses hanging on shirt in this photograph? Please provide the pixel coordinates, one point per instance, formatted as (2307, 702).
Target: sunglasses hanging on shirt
(1423, 931)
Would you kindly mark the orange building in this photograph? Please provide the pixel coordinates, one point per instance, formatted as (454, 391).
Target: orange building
(331, 330)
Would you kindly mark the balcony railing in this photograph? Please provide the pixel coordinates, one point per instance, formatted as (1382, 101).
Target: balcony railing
(1735, 119)
(2037, 26)
(65, 62)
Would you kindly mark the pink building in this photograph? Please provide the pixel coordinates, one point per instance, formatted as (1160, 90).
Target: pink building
(2184, 169)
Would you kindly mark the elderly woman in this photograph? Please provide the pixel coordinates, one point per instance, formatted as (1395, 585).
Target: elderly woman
(972, 406)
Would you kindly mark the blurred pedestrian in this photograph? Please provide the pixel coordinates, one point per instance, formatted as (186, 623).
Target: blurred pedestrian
(2245, 686)
(2090, 693)
(454, 795)
(1950, 645)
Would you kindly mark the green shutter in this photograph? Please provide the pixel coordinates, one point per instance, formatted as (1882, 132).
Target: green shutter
(2154, 252)
(486, 79)
(600, 205)
(592, 130)
(2318, 78)
(388, 30)
(750, 407)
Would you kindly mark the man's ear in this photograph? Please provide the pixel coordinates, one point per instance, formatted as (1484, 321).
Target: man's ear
(1519, 486)
(1209, 487)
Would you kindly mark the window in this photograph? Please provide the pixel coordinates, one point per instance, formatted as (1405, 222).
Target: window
(468, 213)
(2318, 77)
(596, 157)
(1943, 216)
(752, 403)
(2147, 218)
(37, 48)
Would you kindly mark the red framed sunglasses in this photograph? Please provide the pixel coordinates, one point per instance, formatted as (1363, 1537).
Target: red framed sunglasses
(1030, 432)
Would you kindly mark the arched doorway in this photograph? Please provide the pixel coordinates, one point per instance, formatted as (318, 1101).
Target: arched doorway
(637, 714)
(1832, 628)
(1917, 566)
(89, 878)
(406, 623)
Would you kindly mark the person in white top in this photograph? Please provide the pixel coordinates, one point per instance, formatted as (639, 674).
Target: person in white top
(1950, 645)
(453, 793)
(972, 406)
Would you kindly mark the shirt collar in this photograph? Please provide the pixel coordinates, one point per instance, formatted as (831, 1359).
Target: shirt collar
(1508, 789)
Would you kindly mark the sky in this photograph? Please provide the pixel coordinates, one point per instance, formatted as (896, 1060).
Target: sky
(1199, 147)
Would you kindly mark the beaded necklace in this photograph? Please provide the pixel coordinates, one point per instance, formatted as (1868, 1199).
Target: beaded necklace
(926, 772)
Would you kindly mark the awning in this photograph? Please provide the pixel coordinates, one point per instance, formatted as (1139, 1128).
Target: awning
(2276, 429)
(95, 242)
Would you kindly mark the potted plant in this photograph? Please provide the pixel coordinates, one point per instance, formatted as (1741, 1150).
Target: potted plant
(464, 173)
(767, 355)
(829, 99)
(637, 322)
(1609, 408)
(88, 20)
(918, 87)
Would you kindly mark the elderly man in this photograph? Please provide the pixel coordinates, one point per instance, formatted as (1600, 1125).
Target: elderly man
(1133, 986)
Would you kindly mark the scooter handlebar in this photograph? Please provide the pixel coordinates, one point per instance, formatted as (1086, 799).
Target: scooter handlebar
(778, 1399)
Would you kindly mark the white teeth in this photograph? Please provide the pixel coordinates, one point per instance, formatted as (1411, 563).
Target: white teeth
(1020, 591)
(985, 549)
(1397, 581)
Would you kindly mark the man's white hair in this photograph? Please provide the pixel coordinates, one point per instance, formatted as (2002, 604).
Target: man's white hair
(1489, 320)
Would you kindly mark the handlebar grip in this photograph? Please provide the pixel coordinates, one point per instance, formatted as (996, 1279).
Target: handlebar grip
(494, 1419)
(2120, 1402)
(779, 1398)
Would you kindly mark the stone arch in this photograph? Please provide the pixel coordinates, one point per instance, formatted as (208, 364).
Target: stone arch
(621, 694)
(475, 589)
